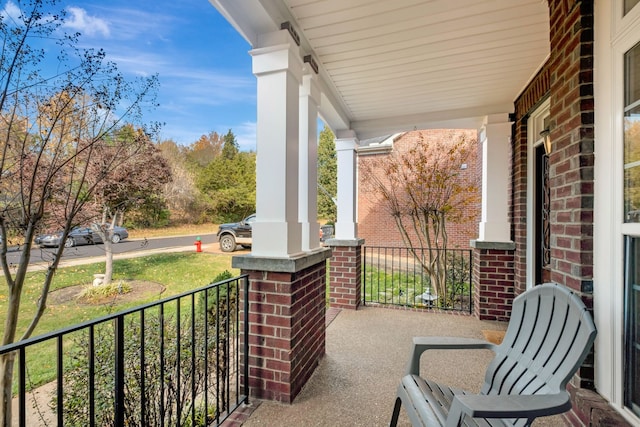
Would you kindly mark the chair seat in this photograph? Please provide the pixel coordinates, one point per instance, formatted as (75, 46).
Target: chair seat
(439, 398)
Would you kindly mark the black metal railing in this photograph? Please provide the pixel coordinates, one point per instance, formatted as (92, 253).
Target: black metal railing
(398, 276)
(176, 361)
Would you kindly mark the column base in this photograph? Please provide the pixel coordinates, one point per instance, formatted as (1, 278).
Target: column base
(287, 300)
(493, 279)
(345, 273)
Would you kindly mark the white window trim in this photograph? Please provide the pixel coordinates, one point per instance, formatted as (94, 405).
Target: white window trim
(614, 35)
(535, 125)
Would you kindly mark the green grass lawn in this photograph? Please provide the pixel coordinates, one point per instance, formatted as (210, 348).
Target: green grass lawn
(177, 272)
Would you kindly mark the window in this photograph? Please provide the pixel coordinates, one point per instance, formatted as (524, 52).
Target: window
(616, 269)
(632, 325)
(632, 135)
(631, 153)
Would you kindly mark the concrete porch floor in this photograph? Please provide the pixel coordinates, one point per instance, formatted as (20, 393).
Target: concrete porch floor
(366, 354)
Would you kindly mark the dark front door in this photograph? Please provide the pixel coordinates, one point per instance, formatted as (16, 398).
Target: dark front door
(542, 246)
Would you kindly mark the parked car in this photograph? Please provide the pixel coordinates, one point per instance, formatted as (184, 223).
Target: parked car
(79, 236)
(233, 234)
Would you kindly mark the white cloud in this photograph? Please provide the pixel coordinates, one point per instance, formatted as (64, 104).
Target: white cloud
(11, 11)
(91, 26)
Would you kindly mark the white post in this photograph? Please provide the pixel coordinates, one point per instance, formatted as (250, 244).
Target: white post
(308, 193)
(346, 225)
(496, 149)
(278, 69)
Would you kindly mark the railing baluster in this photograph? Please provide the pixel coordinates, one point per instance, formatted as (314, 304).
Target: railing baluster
(143, 400)
(60, 374)
(206, 351)
(227, 343)
(92, 376)
(470, 282)
(23, 387)
(236, 313)
(193, 359)
(246, 339)
(178, 357)
(217, 368)
(162, 367)
(119, 370)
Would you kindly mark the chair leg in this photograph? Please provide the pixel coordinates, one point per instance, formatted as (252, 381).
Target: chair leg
(396, 413)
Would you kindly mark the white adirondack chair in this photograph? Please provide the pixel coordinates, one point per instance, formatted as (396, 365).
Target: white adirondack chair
(548, 337)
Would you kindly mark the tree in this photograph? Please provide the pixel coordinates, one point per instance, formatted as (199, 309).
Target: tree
(51, 127)
(181, 194)
(423, 188)
(230, 147)
(229, 185)
(327, 175)
(128, 184)
(205, 149)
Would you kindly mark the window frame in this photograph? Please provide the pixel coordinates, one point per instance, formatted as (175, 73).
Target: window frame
(614, 34)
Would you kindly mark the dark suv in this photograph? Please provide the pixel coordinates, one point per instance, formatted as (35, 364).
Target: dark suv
(236, 233)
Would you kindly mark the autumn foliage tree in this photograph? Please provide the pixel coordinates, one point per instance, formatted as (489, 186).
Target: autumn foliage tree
(127, 184)
(423, 188)
(53, 126)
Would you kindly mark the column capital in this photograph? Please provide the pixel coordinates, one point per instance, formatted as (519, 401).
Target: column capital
(310, 86)
(496, 119)
(278, 52)
(346, 140)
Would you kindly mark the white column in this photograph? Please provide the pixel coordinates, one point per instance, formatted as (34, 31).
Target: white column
(346, 226)
(278, 68)
(308, 191)
(496, 148)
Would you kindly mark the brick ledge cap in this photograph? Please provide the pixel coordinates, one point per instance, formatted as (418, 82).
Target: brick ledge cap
(481, 244)
(281, 265)
(344, 242)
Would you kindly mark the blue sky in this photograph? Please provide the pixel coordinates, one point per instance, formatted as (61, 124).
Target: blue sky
(202, 63)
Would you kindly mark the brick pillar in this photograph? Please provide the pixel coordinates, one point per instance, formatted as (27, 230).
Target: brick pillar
(345, 273)
(493, 280)
(286, 322)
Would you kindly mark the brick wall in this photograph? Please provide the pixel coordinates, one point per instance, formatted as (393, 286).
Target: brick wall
(378, 228)
(525, 104)
(572, 120)
(493, 283)
(345, 278)
(287, 330)
(567, 78)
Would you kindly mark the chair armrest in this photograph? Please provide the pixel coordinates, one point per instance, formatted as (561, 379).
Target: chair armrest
(422, 344)
(507, 406)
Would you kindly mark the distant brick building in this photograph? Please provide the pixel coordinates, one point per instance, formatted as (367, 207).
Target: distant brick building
(375, 224)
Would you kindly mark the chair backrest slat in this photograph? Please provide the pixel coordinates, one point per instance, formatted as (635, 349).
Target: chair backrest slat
(549, 335)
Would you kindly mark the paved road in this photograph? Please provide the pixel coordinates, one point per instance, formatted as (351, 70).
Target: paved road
(128, 246)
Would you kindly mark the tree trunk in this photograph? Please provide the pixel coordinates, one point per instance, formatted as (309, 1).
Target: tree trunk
(7, 362)
(108, 262)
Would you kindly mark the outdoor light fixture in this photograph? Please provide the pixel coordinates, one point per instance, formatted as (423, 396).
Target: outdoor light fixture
(546, 140)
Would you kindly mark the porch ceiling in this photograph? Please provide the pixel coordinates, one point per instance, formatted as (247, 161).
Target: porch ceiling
(388, 66)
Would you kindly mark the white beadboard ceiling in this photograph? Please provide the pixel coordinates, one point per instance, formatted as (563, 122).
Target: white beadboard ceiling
(394, 65)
